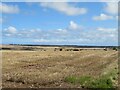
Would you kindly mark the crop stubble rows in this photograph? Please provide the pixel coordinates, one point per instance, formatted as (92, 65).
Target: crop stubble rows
(50, 68)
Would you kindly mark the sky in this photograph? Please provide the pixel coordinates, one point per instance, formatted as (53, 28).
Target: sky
(59, 23)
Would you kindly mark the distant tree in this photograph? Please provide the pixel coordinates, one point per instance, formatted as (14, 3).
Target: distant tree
(114, 48)
(105, 49)
(60, 49)
(75, 49)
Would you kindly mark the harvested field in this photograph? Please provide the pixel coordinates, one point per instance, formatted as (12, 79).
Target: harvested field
(37, 69)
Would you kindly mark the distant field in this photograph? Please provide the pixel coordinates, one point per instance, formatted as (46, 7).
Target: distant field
(50, 68)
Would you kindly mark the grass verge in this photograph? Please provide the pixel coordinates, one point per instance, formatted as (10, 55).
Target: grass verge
(90, 82)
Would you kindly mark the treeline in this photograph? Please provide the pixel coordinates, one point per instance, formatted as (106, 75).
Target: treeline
(74, 46)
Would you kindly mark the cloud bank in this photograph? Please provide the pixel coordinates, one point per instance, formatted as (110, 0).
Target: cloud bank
(9, 9)
(72, 34)
(65, 8)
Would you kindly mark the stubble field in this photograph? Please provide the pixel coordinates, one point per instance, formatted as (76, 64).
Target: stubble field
(59, 69)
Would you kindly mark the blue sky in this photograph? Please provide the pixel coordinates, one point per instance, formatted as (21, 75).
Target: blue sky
(62, 23)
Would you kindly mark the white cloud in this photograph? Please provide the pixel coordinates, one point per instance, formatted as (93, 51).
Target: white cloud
(109, 34)
(73, 25)
(64, 7)
(8, 35)
(22, 33)
(107, 30)
(4, 8)
(97, 36)
(40, 40)
(111, 8)
(102, 17)
(61, 30)
(49, 40)
(11, 30)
